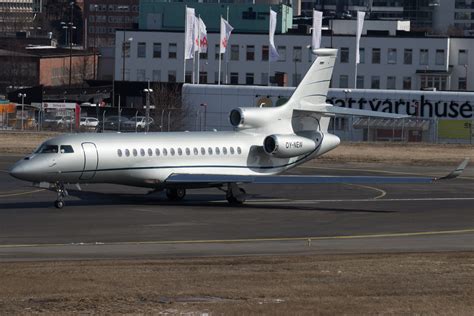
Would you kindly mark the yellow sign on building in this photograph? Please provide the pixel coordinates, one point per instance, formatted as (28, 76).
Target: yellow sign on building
(455, 129)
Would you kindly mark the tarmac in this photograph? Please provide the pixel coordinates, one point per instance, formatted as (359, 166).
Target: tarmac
(117, 222)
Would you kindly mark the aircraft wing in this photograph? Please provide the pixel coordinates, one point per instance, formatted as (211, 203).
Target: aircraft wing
(177, 178)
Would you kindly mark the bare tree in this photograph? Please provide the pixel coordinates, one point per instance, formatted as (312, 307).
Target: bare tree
(170, 109)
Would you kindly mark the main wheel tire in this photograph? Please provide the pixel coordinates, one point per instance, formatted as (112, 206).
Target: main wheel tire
(175, 194)
(233, 200)
(59, 204)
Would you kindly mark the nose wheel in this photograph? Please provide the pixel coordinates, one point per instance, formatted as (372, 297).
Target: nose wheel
(61, 194)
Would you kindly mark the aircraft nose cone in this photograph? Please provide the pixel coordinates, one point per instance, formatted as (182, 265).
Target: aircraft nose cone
(17, 171)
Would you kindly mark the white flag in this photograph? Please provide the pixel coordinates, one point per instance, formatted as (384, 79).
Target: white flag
(196, 34)
(189, 34)
(317, 26)
(203, 37)
(360, 26)
(226, 29)
(273, 21)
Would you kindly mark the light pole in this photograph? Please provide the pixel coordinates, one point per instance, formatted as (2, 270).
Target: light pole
(95, 37)
(465, 68)
(147, 110)
(71, 26)
(22, 96)
(205, 115)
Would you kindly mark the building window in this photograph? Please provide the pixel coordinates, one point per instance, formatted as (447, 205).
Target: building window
(297, 53)
(203, 77)
(126, 48)
(392, 56)
(424, 56)
(265, 53)
(250, 53)
(217, 51)
(156, 50)
(172, 51)
(361, 55)
(249, 78)
(391, 83)
(462, 83)
(360, 82)
(375, 82)
(203, 56)
(141, 50)
(375, 55)
(344, 81)
(171, 76)
(188, 77)
(282, 53)
(234, 78)
(462, 57)
(439, 58)
(234, 52)
(408, 56)
(156, 75)
(344, 55)
(141, 74)
(406, 83)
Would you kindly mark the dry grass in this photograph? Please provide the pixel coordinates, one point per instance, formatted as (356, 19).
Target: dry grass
(22, 142)
(343, 284)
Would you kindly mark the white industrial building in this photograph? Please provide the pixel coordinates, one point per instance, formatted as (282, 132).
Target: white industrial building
(390, 59)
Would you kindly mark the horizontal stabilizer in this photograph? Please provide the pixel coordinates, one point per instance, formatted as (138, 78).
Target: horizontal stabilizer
(331, 110)
(295, 179)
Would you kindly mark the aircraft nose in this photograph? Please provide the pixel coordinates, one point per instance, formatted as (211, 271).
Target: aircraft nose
(17, 171)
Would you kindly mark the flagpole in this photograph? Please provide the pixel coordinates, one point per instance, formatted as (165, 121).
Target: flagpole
(199, 48)
(355, 77)
(269, 44)
(220, 58)
(184, 50)
(227, 61)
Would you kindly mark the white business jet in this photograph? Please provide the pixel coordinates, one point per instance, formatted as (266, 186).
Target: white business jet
(265, 142)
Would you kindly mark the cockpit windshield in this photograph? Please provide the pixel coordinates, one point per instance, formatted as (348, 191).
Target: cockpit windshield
(47, 149)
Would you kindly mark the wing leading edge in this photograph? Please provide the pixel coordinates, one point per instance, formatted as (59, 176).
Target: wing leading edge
(294, 179)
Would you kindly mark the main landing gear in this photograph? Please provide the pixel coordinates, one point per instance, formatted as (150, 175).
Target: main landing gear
(61, 194)
(235, 195)
(175, 194)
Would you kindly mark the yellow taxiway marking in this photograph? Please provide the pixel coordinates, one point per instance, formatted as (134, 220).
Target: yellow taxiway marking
(249, 240)
(382, 192)
(20, 193)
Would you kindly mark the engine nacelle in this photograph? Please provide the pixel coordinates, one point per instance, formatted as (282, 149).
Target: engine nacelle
(288, 146)
(243, 118)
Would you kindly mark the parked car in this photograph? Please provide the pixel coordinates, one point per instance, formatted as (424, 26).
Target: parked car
(58, 121)
(90, 123)
(112, 122)
(137, 123)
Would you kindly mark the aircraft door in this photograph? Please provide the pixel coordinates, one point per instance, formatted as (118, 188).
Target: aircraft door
(91, 160)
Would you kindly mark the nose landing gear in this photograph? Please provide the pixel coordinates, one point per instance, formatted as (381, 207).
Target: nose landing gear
(61, 194)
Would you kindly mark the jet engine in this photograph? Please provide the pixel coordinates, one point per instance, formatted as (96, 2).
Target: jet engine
(244, 118)
(288, 146)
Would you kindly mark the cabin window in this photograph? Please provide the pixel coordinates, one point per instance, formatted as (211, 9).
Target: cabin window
(224, 150)
(172, 152)
(165, 152)
(180, 152)
(150, 152)
(203, 151)
(196, 152)
(48, 149)
(135, 152)
(119, 153)
(157, 152)
(127, 152)
(232, 150)
(188, 152)
(239, 150)
(218, 152)
(209, 151)
(66, 149)
(142, 152)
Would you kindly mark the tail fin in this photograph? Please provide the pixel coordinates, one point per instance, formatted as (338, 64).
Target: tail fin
(313, 89)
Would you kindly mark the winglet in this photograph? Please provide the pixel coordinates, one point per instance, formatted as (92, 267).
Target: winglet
(457, 172)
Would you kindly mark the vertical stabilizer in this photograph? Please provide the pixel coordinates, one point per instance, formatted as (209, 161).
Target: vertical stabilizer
(313, 89)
